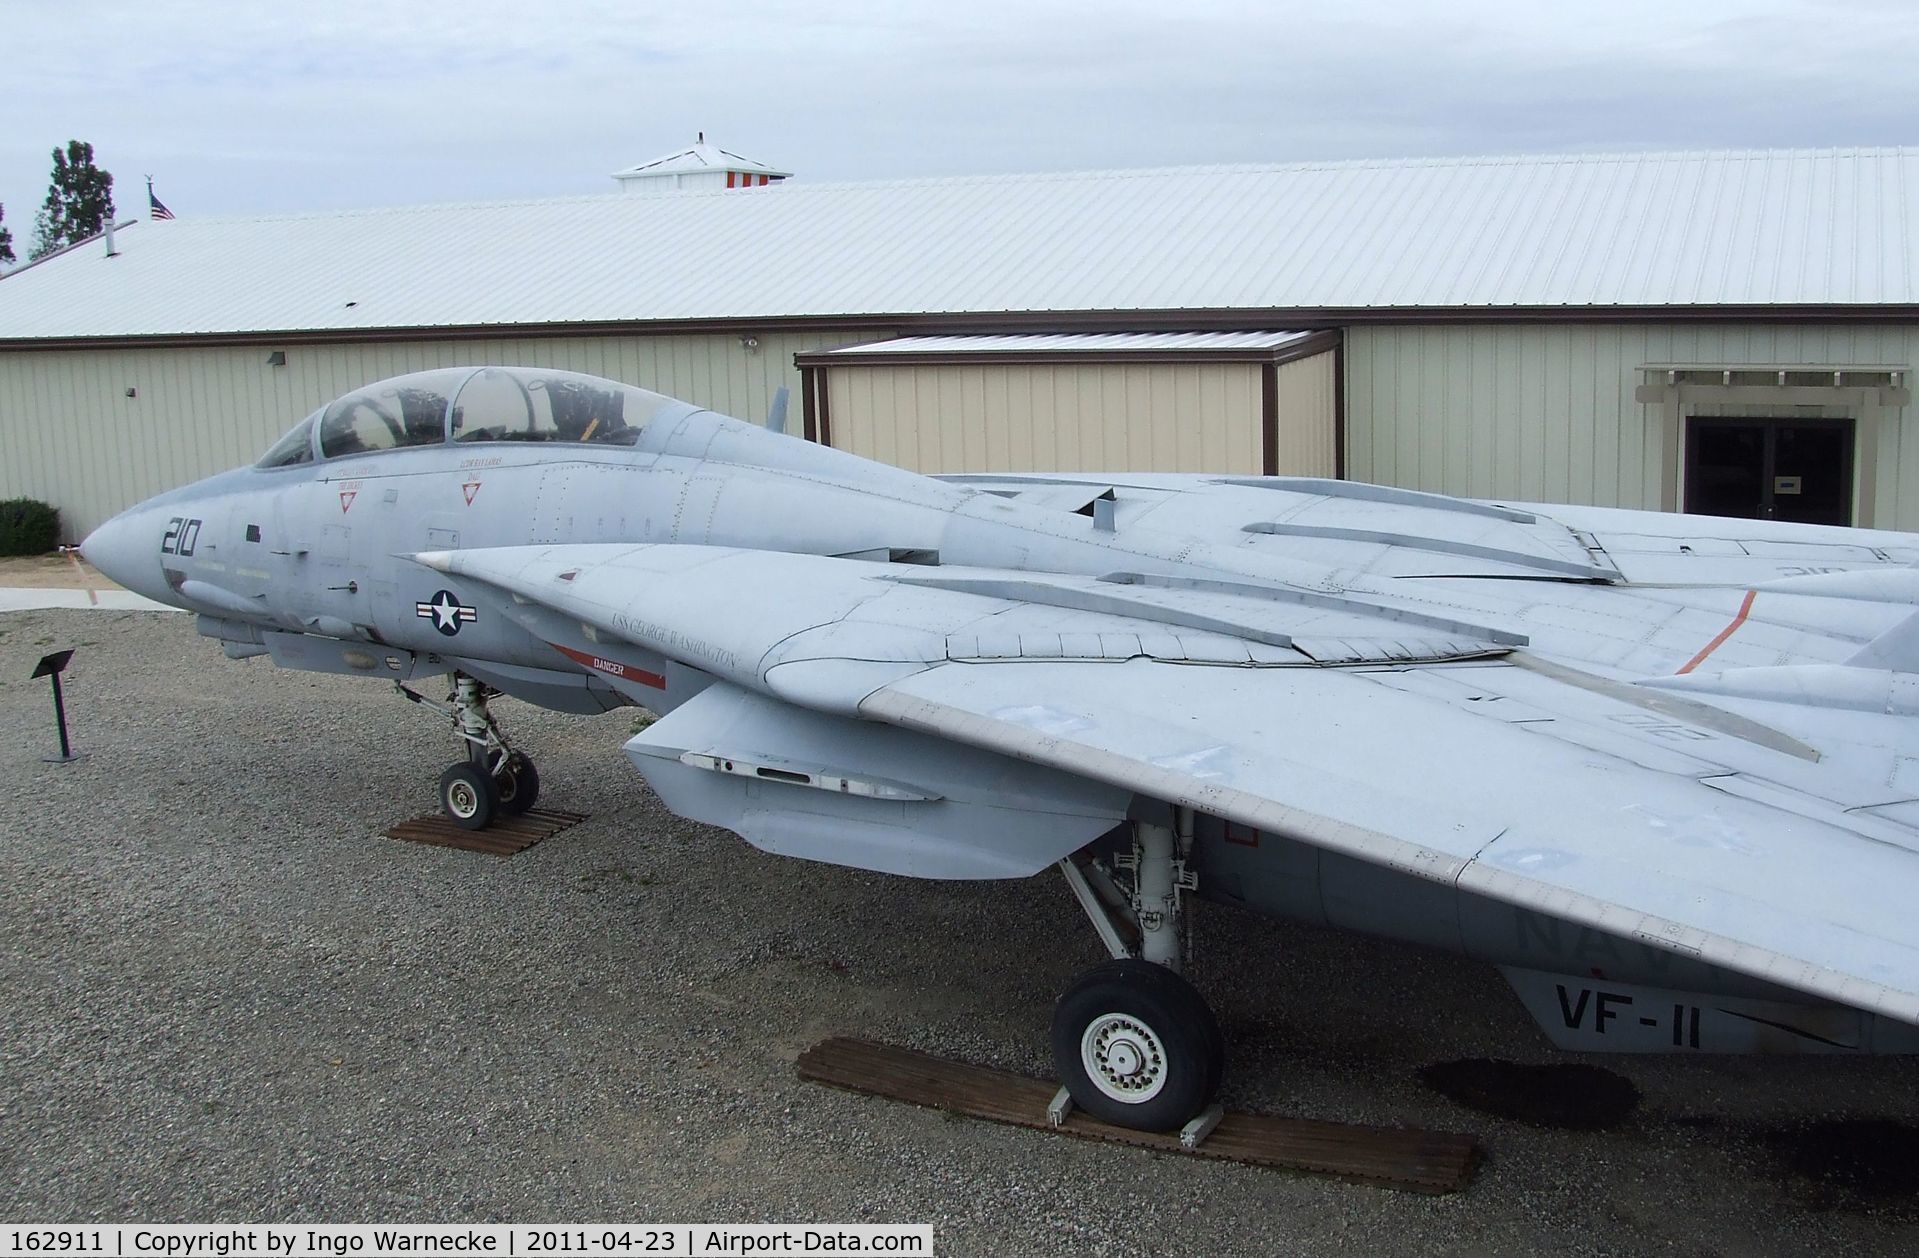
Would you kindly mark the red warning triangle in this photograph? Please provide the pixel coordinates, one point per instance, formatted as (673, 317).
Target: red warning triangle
(346, 499)
(471, 488)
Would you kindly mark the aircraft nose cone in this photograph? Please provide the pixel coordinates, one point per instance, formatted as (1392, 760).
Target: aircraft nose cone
(123, 553)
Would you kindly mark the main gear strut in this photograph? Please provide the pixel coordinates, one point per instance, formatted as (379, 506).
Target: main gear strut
(1134, 1042)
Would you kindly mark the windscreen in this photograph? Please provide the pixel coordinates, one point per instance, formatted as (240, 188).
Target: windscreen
(296, 447)
(389, 415)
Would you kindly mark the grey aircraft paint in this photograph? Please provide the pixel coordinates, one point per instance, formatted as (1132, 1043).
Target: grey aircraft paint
(1662, 770)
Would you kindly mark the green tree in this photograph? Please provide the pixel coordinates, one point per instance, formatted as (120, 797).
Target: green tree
(6, 239)
(78, 203)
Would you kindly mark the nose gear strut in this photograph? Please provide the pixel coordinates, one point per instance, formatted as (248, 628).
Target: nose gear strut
(494, 780)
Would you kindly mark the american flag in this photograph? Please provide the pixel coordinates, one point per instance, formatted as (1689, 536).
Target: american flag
(155, 210)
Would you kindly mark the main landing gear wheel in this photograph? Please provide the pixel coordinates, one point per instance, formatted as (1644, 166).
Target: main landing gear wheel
(1137, 1046)
(518, 784)
(469, 796)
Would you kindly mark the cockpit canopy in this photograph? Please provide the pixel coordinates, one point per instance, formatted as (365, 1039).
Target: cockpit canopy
(469, 404)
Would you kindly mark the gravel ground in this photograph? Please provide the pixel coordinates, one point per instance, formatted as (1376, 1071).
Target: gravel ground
(225, 996)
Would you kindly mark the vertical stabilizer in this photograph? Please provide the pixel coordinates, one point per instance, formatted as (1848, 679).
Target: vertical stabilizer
(1897, 649)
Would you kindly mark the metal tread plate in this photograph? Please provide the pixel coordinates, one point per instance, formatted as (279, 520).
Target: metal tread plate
(505, 837)
(1396, 1157)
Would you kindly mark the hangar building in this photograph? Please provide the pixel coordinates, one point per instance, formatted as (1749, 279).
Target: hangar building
(1727, 332)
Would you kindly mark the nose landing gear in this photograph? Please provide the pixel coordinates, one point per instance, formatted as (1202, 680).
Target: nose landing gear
(494, 780)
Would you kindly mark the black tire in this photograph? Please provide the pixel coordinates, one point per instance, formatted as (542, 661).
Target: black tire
(518, 784)
(1150, 1038)
(468, 796)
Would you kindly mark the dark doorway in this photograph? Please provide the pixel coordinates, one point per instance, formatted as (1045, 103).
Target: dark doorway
(1770, 469)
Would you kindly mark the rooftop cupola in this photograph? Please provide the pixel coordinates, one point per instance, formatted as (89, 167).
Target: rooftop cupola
(702, 167)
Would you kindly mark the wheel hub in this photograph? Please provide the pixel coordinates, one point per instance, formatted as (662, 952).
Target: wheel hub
(462, 799)
(1124, 1058)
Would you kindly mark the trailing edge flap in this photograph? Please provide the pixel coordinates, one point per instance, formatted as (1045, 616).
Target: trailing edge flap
(1441, 791)
(1897, 649)
(849, 792)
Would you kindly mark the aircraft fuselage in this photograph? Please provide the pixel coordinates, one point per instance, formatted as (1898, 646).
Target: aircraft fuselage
(313, 563)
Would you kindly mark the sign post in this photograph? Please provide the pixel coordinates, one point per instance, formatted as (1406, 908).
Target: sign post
(52, 666)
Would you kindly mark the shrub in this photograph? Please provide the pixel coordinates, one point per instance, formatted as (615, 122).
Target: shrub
(28, 527)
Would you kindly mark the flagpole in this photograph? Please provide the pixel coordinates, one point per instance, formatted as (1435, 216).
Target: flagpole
(155, 210)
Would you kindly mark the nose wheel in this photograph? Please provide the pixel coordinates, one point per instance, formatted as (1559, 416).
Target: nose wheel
(517, 782)
(469, 796)
(494, 780)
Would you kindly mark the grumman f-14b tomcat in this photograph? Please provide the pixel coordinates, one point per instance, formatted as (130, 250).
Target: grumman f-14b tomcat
(1662, 770)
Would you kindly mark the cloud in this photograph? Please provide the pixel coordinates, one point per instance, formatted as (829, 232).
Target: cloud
(238, 107)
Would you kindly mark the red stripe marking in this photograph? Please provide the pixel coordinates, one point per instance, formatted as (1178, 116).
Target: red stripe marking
(612, 668)
(1745, 609)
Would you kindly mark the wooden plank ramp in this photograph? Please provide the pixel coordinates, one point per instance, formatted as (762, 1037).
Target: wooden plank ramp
(505, 837)
(1422, 1161)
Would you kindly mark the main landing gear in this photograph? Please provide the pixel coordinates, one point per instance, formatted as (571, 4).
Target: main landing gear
(494, 780)
(1135, 1044)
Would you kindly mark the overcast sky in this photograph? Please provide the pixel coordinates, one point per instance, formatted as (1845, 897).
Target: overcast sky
(239, 108)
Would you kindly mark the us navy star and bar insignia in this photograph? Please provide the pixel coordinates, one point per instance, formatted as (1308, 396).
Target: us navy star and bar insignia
(446, 612)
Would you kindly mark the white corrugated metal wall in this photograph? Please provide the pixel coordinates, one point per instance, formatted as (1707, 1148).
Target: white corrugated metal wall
(1545, 412)
(71, 436)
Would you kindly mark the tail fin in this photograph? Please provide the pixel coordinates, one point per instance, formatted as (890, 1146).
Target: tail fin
(776, 414)
(1897, 649)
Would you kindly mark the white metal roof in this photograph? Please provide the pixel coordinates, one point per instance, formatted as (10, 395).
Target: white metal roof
(1075, 343)
(1830, 227)
(700, 156)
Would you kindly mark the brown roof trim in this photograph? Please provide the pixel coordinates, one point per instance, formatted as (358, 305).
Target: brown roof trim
(1238, 319)
(1304, 318)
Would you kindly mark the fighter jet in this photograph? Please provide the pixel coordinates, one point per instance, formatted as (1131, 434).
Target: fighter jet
(1662, 770)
